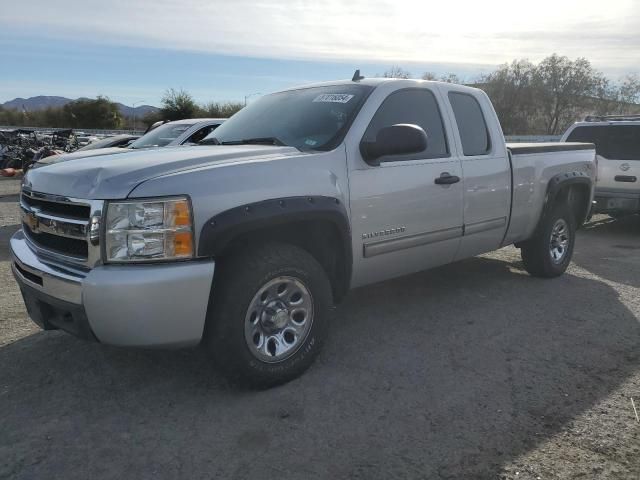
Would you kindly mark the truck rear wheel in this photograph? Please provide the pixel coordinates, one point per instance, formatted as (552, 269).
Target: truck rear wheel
(269, 314)
(549, 252)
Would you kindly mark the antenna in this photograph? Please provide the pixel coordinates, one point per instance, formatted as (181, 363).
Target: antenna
(356, 76)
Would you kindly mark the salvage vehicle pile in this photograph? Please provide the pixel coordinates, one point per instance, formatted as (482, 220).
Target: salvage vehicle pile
(21, 148)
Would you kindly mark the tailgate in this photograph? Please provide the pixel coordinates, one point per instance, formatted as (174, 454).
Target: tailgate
(618, 175)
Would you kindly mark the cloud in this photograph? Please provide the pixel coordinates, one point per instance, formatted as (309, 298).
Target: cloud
(487, 32)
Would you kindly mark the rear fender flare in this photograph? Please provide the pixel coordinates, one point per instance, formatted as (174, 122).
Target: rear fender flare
(558, 183)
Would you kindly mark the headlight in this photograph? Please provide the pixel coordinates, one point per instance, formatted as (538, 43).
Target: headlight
(158, 229)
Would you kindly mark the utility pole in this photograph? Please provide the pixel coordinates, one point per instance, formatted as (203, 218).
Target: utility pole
(249, 96)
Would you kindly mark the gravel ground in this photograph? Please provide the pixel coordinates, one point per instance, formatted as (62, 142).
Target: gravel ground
(473, 370)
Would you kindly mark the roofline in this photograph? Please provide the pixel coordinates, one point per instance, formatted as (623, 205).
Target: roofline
(373, 82)
(584, 123)
(195, 121)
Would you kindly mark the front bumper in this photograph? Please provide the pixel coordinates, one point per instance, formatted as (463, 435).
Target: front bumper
(616, 201)
(162, 305)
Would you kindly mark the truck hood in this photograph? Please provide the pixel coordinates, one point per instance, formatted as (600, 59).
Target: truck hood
(80, 154)
(114, 176)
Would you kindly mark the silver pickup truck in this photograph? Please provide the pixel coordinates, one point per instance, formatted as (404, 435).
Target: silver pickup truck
(245, 243)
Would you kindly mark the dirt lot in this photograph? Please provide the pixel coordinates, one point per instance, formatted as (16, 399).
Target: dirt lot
(474, 370)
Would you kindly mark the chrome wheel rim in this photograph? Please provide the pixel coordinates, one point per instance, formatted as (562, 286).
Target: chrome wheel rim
(559, 241)
(278, 319)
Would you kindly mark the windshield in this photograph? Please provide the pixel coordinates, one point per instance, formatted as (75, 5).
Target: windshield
(161, 136)
(314, 118)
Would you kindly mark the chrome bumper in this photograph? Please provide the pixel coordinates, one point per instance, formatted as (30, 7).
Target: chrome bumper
(162, 305)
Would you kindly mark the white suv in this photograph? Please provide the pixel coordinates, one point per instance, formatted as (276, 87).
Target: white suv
(617, 140)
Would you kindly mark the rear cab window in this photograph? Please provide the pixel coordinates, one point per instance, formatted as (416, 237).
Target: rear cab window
(472, 126)
(614, 142)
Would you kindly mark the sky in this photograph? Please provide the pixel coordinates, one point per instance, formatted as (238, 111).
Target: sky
(224, 50)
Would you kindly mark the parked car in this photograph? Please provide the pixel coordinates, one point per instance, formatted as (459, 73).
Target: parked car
(115, 141)
(617, 141)
(171, 134)
(245, 245)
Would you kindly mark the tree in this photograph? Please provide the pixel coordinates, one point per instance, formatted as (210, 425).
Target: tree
(566, 88)
(177, 105)
(221, 110)
(396, 72)
(630, 89)
(89, 113)
(510, 88)
(448, 77)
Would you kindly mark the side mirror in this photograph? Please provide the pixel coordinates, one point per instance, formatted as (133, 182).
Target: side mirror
(400, 139)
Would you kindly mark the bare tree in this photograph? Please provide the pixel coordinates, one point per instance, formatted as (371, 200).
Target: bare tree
(448, 77)
(396, 72)
(565, 88)
(511, 91)
(629, 93)
(451, 78)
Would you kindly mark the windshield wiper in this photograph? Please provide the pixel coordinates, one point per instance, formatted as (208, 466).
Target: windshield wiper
(256, 141)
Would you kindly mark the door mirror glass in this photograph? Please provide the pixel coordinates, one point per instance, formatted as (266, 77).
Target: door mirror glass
(399, 139)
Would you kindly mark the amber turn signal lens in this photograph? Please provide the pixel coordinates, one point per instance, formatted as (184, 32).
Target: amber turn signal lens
(183, 244)
(181, 213)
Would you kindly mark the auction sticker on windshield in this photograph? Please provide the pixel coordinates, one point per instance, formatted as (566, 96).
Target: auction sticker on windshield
(333, 98)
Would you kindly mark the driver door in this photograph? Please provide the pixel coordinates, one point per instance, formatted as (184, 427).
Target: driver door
(403, 218)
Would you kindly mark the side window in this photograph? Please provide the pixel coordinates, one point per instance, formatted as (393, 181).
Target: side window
(200, 134)
(623, 142)
(472, 126)
(415, 106)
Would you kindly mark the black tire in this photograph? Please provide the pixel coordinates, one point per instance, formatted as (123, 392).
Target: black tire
(241, 277)
(536, 252)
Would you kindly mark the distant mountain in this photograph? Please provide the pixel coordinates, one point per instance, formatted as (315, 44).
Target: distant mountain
(140, 110)
(41, 102)
(35, 103)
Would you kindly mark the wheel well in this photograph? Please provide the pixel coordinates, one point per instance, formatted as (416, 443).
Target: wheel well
(320, 238)
(576, 196)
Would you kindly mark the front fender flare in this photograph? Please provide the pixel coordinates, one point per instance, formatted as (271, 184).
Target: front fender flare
(219, 231)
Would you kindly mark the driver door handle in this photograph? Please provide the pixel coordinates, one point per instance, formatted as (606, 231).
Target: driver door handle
(446, 178)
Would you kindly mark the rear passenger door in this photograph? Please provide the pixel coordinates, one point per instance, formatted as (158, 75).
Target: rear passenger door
(486, 171)
(403, 221)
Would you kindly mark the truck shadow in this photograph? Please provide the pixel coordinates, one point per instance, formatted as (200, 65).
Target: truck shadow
(449, 373)
(611, 249)
(9, 198)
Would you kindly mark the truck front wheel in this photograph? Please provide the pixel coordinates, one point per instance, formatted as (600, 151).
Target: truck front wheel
(549, 252)
(269, 314)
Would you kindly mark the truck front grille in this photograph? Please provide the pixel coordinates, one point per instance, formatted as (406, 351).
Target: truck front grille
(60, 245)
(60, 227)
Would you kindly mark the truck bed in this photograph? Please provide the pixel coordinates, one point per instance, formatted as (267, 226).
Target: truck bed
(532, 166)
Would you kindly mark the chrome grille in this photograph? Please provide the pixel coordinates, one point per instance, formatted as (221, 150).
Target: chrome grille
(61, 228)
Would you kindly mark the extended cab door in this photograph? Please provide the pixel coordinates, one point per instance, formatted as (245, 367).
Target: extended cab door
(486, 171)
(402, 220)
